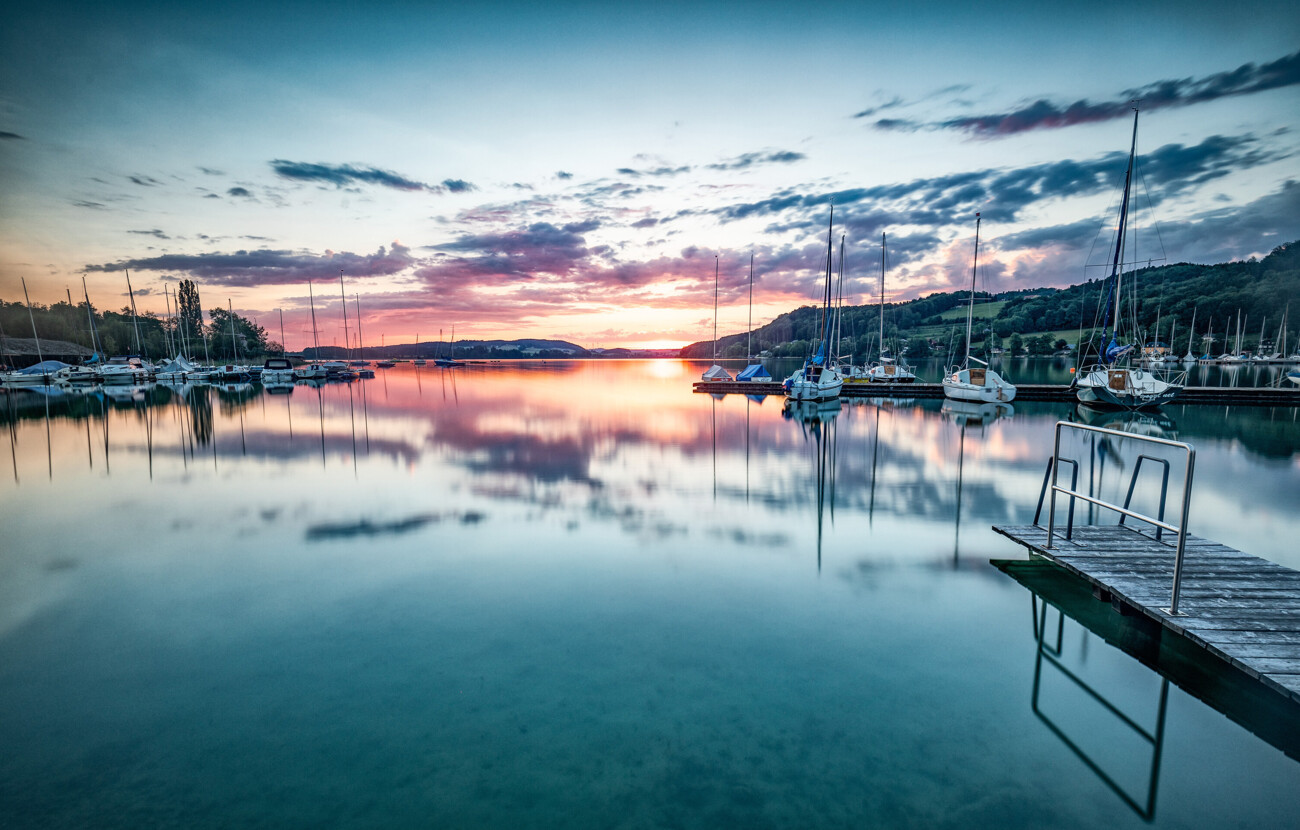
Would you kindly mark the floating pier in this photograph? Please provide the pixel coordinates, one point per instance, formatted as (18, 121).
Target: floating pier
(1236, 395)
(1240, 608)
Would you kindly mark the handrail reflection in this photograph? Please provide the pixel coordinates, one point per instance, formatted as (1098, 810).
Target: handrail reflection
(1052, 656)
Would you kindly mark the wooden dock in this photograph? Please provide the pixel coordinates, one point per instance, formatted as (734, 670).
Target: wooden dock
(1234, 395)
(1241, 609)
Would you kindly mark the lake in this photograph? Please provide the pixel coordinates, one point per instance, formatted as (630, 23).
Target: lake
(576, 594)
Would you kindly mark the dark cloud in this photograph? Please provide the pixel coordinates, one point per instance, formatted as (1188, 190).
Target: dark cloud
(750, 159)
(11, 136)
(155, 232)
(870, 111)
(341, 175)
(266, 267)
(144, 181)
(563, 174)
(1003, 194)
(239, 191)
(1246, 79)
(648, 222)
(91, 205)
(654, 171)
(211, 171)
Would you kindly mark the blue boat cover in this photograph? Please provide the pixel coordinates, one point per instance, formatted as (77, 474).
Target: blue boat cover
(754, 371)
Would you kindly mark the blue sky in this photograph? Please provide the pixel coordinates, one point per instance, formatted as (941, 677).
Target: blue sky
(572, 171)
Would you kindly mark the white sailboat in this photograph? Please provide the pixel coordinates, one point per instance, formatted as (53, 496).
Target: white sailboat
(1112, 381)
(967, 382)
(715, 372)
(887, 369)
(819, 379)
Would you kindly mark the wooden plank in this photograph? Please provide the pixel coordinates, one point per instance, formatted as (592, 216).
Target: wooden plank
(1242, 609)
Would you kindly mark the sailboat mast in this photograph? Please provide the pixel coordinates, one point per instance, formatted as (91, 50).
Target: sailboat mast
(882, 296)
(344, 295)
(135, 323)
(1117, 265)
(1191, 334)
(39, 357)
(315, 338)
(749, 343)
(826, 294)
(284, 345)
(361, 344)
(970, 310)
(90, 315)
(715, 308)
(234, 344)
(839, 307)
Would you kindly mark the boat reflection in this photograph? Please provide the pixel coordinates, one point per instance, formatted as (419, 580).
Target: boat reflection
(1152, 423)
(970, 413)
(818, 420)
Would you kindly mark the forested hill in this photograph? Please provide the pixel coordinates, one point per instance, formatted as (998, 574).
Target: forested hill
(1258, 289)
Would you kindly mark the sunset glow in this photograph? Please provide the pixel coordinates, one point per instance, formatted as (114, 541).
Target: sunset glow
(572, 174)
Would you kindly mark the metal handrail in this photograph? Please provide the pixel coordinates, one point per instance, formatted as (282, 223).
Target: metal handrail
(1180, 530)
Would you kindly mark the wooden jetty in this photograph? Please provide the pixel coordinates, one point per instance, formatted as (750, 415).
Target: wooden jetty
(1240, 608)
(1234, 395)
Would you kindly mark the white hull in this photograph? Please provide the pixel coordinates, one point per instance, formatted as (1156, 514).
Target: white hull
(984, 386)
(814, 384)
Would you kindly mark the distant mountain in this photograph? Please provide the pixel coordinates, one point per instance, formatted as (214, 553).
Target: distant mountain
(461, 349)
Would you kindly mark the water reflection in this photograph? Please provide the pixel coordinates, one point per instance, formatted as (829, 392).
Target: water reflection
(618, 577)
(1095, 738)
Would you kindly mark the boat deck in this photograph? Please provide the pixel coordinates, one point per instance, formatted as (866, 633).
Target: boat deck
(1240, 608)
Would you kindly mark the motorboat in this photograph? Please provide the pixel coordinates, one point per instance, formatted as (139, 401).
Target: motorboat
(124, 370)
(277, 370)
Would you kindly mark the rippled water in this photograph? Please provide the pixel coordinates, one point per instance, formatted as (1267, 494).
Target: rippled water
(579, 595)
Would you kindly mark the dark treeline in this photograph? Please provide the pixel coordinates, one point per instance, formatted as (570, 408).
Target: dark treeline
(1259, 289)
(148, 335)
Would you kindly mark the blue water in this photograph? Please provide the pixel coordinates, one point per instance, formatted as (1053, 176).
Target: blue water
(578, 595)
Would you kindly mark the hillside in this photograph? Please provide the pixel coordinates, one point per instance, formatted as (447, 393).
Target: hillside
(1259, 289)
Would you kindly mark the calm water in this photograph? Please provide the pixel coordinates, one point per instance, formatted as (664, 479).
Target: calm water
(578, 595)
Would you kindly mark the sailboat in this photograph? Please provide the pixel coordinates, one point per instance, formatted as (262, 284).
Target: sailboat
(754, 372)
(715, 372)
(419, 361)
(1112, 381)
(886, 370)
(819, 378)
(448, 359)
(975, 383)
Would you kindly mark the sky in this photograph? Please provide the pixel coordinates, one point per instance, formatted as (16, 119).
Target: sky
(576, 170)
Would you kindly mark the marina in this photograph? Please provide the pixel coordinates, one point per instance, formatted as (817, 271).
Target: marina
(1235, 395)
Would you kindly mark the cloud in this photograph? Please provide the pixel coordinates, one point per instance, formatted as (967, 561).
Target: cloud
(239, 191)
(1002, 194)
(1246, 79)
(267, 267)
(648, 222)
(664, 170)
(563, 175)
(211, 171)
(340, 175)
(155, 232)
(144, 181)
(750, 159)
(11, 136)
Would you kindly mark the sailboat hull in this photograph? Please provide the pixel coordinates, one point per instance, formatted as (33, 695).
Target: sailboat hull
(961, 386)
(1125, 389)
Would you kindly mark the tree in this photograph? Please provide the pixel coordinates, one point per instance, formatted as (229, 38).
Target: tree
(189, 314)
(248, 338)
(1016, 344)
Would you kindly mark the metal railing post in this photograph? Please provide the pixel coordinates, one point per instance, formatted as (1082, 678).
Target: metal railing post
(1182, 534)
(1051, 503)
